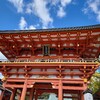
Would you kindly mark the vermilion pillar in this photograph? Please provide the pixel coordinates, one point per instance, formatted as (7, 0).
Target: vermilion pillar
(36, 95)
(31, 94)
(60, 91)
(85, 88)
(13, 94)
(82, 96)
(24, 91)
(1, 95)
(19, 96)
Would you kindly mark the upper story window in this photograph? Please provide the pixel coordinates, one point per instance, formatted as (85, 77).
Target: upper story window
(46, 50)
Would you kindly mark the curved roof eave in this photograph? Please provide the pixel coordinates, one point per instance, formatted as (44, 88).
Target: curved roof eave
(54, 29)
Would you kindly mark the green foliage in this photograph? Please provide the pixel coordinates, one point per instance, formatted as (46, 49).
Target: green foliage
(94, 84)
(44, 96)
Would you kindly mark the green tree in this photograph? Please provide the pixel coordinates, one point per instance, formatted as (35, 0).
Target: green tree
(44, 96)
(94, 84)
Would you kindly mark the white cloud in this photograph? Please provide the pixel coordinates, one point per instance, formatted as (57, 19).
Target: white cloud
(24, 26)
(39, 8)
(85, 10)
(54, 2)
(61, 4)
(65, 2)
(32, 27)
(93, 6)
(42, 11)
(61, 13)
(23, 23)
(18, 5)
(29, 8)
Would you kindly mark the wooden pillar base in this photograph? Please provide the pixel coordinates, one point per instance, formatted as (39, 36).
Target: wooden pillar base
(60, 91)
(82, 96)
(36, 95)
(31, 93)
(1, 96)
(13, 94)
(24, 91)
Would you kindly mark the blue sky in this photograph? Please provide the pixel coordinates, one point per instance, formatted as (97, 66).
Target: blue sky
(41, 14)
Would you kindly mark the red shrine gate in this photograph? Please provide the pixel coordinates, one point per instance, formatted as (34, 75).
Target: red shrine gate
(59, 61)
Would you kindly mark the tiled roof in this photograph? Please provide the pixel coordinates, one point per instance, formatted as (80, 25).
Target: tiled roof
(53, 29)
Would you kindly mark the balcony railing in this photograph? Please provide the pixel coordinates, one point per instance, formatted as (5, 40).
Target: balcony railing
(52, 60)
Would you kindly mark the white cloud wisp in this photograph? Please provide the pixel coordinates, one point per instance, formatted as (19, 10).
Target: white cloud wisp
(18, 4)
(39, 8)
(24, 26)
(94, 7)
(42, 9)
(61, 12)
(23, 23)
